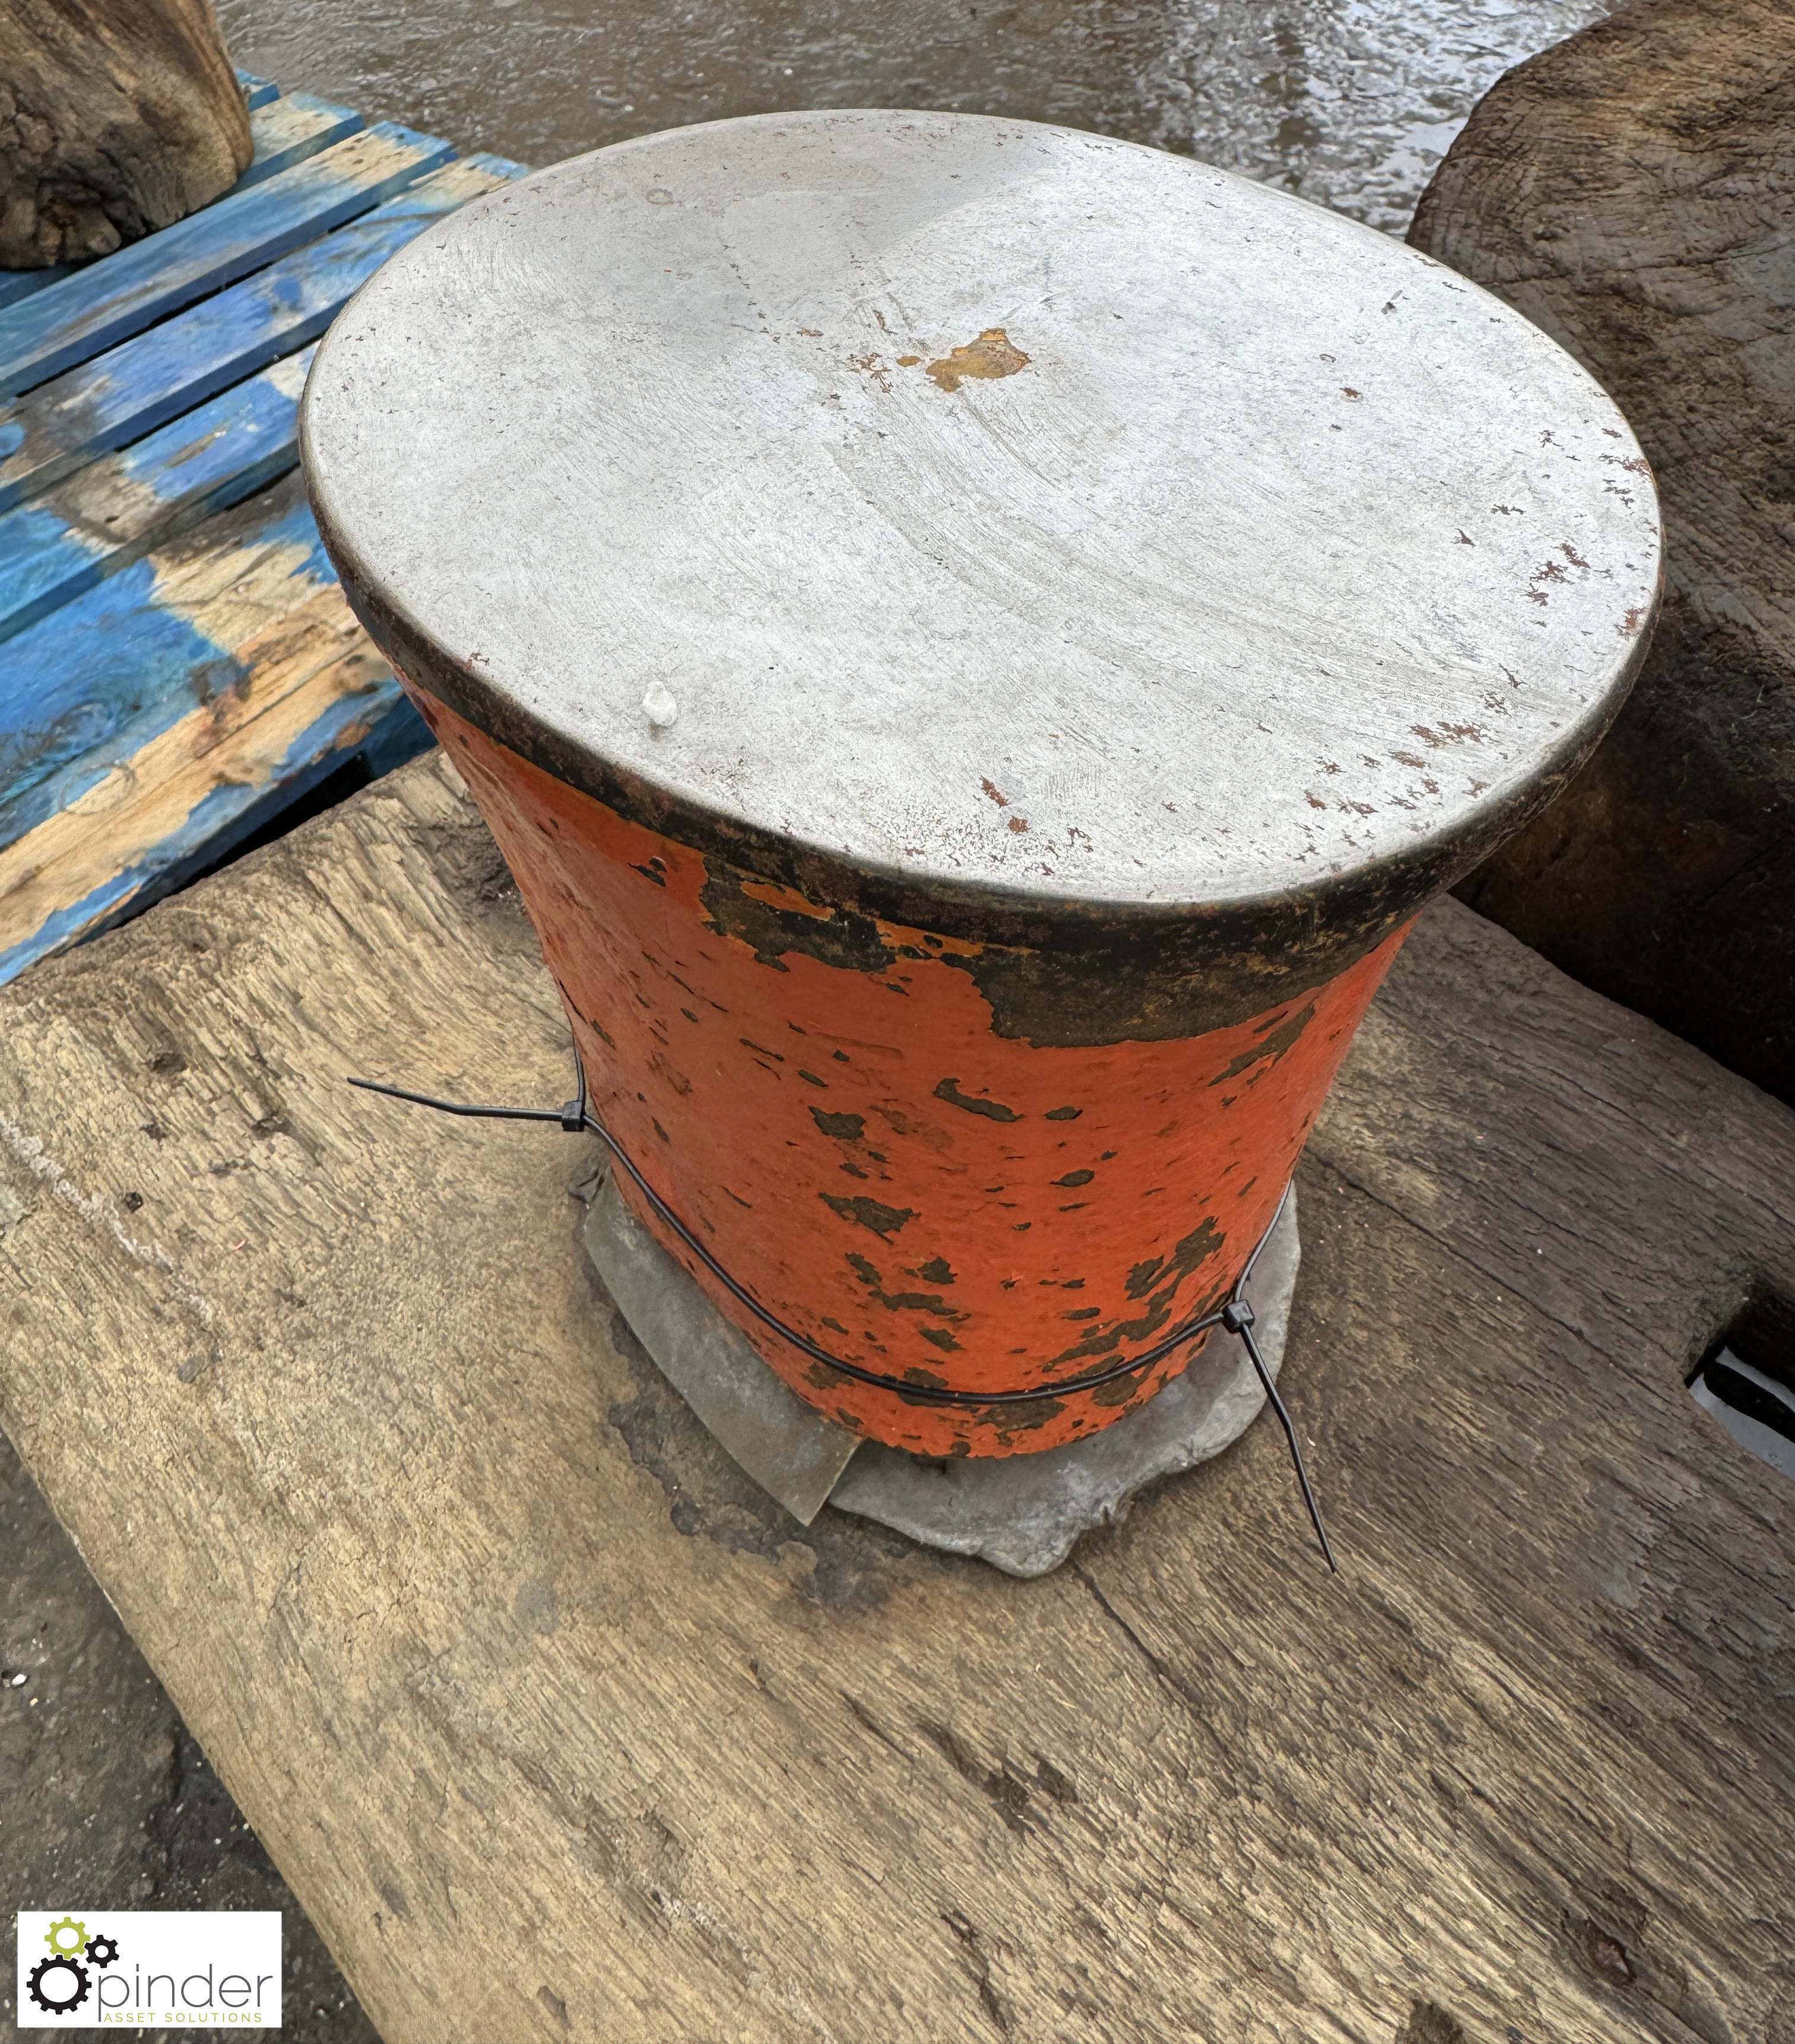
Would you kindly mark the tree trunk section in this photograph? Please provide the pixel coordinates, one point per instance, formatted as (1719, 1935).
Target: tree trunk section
(117, 117)
(1630, 190)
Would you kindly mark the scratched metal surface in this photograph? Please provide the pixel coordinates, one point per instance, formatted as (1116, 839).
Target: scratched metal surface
(1347, 102)
(1262, 556)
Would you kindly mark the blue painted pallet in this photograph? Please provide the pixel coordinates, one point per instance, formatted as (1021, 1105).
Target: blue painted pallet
(257, 91)
(52, 551)
(132, 388)
(285, 132)
(177, 661)
(105, 302)
(85, 692)
(143, 727)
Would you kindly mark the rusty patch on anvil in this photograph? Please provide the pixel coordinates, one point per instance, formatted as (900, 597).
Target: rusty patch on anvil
(993, 354)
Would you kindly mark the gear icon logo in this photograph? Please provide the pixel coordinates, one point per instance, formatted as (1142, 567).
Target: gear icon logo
(64, 1978)
(58, 1983)
(66, 1928)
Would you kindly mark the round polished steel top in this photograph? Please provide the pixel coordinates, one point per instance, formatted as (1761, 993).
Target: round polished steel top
(999, 511)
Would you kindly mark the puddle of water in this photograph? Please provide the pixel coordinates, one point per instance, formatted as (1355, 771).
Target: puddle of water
(1350, 102)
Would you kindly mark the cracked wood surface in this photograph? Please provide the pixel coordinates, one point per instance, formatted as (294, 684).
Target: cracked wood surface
(559, 1730)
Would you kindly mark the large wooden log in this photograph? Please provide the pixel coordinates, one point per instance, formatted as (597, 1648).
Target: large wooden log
(1629, 191)
(117, 117)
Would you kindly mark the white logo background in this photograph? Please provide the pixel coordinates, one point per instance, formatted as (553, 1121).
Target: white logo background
(192, 1970)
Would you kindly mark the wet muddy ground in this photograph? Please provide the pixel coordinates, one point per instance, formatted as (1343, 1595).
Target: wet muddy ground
(105, 1801)
(1350, 102)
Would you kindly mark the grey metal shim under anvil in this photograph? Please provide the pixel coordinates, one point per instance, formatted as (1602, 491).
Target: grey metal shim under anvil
(1022, 1513)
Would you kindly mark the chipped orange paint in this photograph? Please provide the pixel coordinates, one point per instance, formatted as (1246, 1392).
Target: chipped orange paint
(906, 1188)
(787, 898)
(901, 937)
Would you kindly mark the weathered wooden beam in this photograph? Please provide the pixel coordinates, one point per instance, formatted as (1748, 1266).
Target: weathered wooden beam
(117, 117)
(479, 1626)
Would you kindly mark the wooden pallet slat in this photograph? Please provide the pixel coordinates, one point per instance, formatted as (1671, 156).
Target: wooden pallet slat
(106, 302)
(288, 130)
(112, 511)
(177, 662)
(82, 690)
(182, 804)
(257, 91)
(284, 132)
(16, 284)
(145, 726)
(137, 387)
(327, 1391)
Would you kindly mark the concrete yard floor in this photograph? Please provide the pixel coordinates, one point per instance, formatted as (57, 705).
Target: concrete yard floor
(105, 1800)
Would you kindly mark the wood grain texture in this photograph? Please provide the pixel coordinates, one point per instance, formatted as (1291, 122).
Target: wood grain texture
(1629, 190)
(132, 389)
(110, 512)
(117, 117)
(151, 720)
(288, 130)
(101, 304)
(79, 693)
(560, 1730)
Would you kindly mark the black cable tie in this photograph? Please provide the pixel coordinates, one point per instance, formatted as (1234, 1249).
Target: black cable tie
(1235, 1315)
(465, 1107)
(1285, 1421)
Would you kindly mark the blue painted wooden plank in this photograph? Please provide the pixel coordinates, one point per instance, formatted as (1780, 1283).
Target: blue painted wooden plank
(169, 712)
(81, 692)
(114, 510)
(502, 170)
(257, 91)
(287, 131)
(87, 688)
(98, 695)
(16, 284)
(45, 560)
(105, 303)
(140, 385)
(380, 725)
